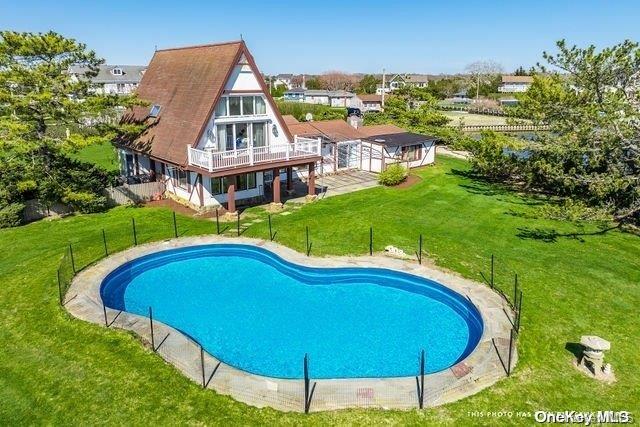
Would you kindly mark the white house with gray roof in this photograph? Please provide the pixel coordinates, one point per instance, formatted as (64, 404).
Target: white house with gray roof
(112, 79)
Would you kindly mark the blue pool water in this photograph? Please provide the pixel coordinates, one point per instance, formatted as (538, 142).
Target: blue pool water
(257, 312)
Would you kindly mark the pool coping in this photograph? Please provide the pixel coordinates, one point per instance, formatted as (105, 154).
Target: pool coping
(480, 369)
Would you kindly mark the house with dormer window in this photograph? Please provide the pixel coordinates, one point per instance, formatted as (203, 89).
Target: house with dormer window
(213, 133)
(112, 79)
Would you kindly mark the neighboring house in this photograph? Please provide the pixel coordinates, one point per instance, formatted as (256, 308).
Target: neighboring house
(401, 80)
(294, 95)
(369, 148)
(214, 135)
(283, 80)
(333, 98)
(370, 102)
(461, 97)
(112, 79)
(512, 84)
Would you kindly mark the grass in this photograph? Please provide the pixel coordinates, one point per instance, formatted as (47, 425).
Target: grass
(55, 369)
(103, 155)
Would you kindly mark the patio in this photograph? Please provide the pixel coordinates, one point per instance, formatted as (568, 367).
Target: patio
(334, 184)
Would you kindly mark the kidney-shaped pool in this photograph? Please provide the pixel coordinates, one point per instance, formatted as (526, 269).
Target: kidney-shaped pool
(260, 313)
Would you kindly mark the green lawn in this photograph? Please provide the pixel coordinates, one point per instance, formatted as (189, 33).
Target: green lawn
(103, 155)
(55, 369)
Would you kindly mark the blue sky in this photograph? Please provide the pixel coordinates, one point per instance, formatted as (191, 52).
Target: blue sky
(348, 35)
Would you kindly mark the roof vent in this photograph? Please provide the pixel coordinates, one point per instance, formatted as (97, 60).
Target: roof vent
(155, 110)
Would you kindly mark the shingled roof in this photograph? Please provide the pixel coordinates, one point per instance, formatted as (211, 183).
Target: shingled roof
(186, 83)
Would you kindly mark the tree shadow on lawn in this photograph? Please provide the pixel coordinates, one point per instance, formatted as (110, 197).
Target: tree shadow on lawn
(551, 235)
(481, 186)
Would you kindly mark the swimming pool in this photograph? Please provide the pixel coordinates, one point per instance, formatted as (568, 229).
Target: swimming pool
(260, 313)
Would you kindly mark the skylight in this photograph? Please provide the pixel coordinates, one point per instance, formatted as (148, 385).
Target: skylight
(155, 110)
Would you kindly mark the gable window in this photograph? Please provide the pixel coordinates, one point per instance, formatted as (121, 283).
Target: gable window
(236, 136)
(261, 107)
(259, 134)
(221, 108)
(247, 105)
(241, 106)
(234, 106)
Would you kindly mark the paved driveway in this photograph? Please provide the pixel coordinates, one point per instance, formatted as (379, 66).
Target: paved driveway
(338, 183)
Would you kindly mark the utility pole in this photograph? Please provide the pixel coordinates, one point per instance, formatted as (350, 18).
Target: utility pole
(383, 87)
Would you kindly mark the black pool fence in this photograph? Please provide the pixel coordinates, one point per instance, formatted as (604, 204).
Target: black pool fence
(308, 243)
(80, 254)
(420, 382)
(308, 388)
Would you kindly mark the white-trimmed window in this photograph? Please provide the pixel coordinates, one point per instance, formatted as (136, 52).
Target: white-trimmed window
(236, 136)
(246, 181)
(411, 153)
(181, 177)
(232, 106)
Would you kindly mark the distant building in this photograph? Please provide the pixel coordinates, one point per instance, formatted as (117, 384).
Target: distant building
(370, 102)
(512, 84)
(112, 79)
(294, 95)
(460, 97)
(401, 80)
(283, 80)
(333, 98)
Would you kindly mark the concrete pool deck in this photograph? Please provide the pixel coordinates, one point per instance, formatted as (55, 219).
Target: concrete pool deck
(482, 368)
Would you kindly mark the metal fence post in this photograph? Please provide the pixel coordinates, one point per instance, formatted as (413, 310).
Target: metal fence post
(308, 391)
(510, 352)
(175, 225)
(104, 311)
(204, 383)
(420, 382)
(307, 237)
(492, 269)
(153, 343)
(238, 222)
(371, 240)
(420, 250)
(515, 291)
(60, 287)
(104, 242)
(519, 313)
(73, 261)
(270, 229)
(135, 235)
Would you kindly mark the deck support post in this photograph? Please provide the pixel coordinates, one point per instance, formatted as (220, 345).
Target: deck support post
(231, 194)
(276, 185)
(311, 182)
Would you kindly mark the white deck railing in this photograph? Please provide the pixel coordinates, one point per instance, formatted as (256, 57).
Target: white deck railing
(215, 160)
